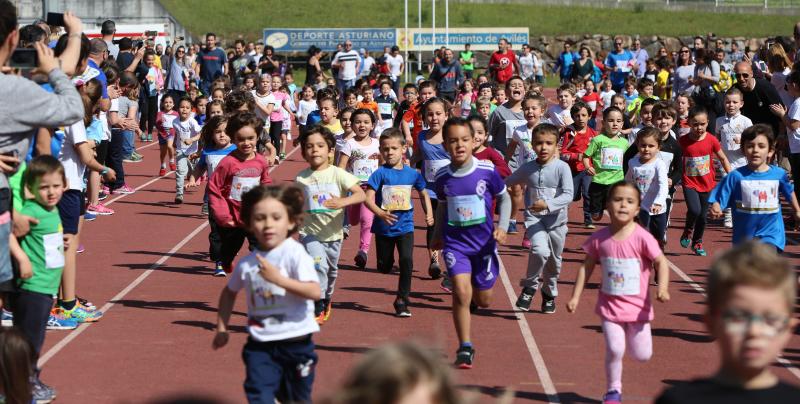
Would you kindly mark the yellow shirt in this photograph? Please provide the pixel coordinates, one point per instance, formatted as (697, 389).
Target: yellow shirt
(319, 186)
(662, 81)
(335, 127)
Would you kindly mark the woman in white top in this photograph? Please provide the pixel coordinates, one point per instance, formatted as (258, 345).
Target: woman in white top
(684, 72)
(526, 63)
(779, 68)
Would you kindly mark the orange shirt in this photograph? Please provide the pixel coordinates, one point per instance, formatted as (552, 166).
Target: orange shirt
(372, 106)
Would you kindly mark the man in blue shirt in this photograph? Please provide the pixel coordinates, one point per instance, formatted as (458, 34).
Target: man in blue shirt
(565, 63)
(98, 53)
(211, 63)
(620, 62)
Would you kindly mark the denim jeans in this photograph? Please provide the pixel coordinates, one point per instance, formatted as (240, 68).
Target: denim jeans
(127, 143)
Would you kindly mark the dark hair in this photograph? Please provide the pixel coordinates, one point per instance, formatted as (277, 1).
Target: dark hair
(240, 119)
(211, 125)
(697, 110)
(393, 133)
(644, 82)
(61, 46)
(326, 134)
(794, 76)
(545, 129)
(435, 100)
(30, 34)
(40, 166)
(92, 91)
(210, 34)
(609, 110)
(480, 120)
(16, 353)
(8, 19)
(111, 71)
(289, 195)
(212, 103)
(735, 91)
(664, 108)
(239, 41)
(362, 111)
(453, 122)
(238, 98)
(577, 107)
(345, 110)
(759, 129)
(648, 102)
(649, 132)
(427, 83)
(409, 86)
(164, 98)
(622, 184)
(536, 97)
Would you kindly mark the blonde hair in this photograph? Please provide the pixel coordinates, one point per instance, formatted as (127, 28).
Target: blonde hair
(777, 60)
(751, 263)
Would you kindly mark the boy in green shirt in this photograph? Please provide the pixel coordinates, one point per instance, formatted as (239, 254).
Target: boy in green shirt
(603, 160)
(44, 246)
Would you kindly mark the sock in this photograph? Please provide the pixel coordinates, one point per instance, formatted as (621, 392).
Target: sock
(467, 344)
(68, 304)
(163, 165)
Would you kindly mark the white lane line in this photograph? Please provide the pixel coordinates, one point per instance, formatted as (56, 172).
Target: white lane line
(147, 145)
(530, 342)
(136, 282)
(138, 188)
(699, 289)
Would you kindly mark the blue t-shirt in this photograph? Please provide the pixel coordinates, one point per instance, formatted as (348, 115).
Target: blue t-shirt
(566, 60)
(393, 193)
(100, 76)
(434, 158)
(211, 62)
(623, 62)
(755, 201)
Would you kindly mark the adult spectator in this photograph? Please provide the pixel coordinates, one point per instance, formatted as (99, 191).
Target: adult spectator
(312, 65)
(735, 55)
(683, 77)
(396, 65)
(367, 63)
(467, 61)
(335, 69)
(641, 56)
(347, 63)
(759, 94)
(125, 56)
(706, 76)
(448, 75)
(527, 63)
(620, 63)
(780, 65)
(108, 29)
(269, 64)
(565, 63)
(699, 44)
(22, 115)
(98, 52)
(503, 62)
(241, 64)
(178, 74)
(211, 63)
(584, 66)
(796, 35)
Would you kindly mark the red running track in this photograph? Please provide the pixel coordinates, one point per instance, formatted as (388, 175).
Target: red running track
(147, 267)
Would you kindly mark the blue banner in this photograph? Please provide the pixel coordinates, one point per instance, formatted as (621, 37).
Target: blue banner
(300, 39)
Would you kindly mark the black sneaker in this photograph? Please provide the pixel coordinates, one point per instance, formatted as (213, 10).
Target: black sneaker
(178, 199)
(447, 284)
(464, 357)
(548, 304)
(473, 307)
(525, 298)
(434, 270)
(401, 309)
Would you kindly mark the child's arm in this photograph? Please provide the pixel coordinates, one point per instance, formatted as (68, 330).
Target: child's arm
(266, 109)
(780, 111)
(512, 147)
(426, 206)
(343, 160)
(357, 195)
(226, 300)
(662, 271)
(198, 171)
(86, 155)
(720, 195)
(724, 160)
(441, 217)
(386, 216)
(663, 188)
(504, 206)
(25, 267)
(587, 162)
(271, 273)
(584, 273)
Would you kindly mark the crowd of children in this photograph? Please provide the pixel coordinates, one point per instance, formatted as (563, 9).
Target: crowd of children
(498, 149)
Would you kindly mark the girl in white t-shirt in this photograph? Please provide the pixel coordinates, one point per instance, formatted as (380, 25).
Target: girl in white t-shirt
(649, 173)
(361, 156)
(305, 106)
(281, 284)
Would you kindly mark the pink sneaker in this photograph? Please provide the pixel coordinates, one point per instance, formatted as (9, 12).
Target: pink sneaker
(124, 190)
(99, 209)
(105, 189)
(526, 243)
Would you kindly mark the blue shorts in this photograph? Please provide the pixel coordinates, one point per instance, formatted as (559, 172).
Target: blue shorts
(165, 140)
(71, 207)
(484, 267)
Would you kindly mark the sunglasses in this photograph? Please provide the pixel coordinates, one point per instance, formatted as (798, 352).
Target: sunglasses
(742, 75)
(685, 51)
(618, 43)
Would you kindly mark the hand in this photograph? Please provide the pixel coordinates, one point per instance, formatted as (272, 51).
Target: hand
(387, 217)
(187, 142)
(572, 305)
(500, 235)
(797, 217)
(22, 224)
(47, 60)
(590, 171)
(777, 110)
(663, 295)
(67, 241)
(192, 183)
(539, 206)
(25, 269)
(72, 24)
(669, 182)
(140, 53)
(220, 340)
(8, 163)
(429, 220)
(715, 211)
(230, 223)
(333, 203)
(655, 208)
(113, 92)
(111, 175)
(269, 272)
(737, 140)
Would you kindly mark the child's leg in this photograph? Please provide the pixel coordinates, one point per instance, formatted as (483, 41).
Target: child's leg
(232, 241)
(31, 311)
(640, 340)
(162, 150)
(658, 227)
(283, 142)
(298, 361)
(581, 184)
(552, 269)
(71, 208)
(462, 297)
(384, 252)
(275, 134)
(537, 256)
(516, 200)
(484, 270)
(332, 249)
(614, 334)
(405, 249)
(182, 162)
(316, 249)
(429, 233)
(171, 149)
(597, 200)
(700, 222)
(93, 188)
(366, 217)
(264, 373)
(693, 208)
(214, 240)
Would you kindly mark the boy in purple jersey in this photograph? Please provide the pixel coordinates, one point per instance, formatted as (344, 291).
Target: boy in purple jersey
(465, 229)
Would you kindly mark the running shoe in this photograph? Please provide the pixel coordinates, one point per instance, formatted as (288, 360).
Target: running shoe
(447, 284)
(162, 172)
(219, 270)
(361, 259)
(526, 243)
(525, 298)
(7, 318)
(512, 227)
(178, 199)
(124, 190)
(81, 315)
(464, 357)
(204, 209)
(57, 321)
(106, 189)
(143, 137)
(589, 226)
(401, 309)
(434, 270)
(42, 393)
(89, 216)
(100, 209)
(698, 249)
(326, 314)
(133, 158)
(612, 397)
(319, 311)
(686, 238)
(172, 166)
(149, 137)
(86, 303)
(101, 196)
(548, 304)
(81, 248)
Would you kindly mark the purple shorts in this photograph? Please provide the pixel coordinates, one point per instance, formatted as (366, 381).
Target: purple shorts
(484, 266)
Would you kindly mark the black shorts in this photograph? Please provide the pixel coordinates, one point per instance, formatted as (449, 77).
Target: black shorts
(597, 197)
(102, 152)
(71, 208)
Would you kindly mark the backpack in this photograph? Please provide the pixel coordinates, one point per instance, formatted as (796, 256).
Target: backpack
(597, 75)
(725, 82)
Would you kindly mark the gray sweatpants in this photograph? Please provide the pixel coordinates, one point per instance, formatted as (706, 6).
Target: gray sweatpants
(184, 167)
(544, 258)
(326, 261)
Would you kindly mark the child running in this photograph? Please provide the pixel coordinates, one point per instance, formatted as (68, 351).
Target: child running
(752, 192)
(626, 253)
(389, 198)
(549, 193)
(698, 147)
(603, 160)
(280, 283)
(235, 174)
(361, 157)
(166, 134)
(574, 141)
(649, 173)
(187, 133)
(483, 151)
(326, 189)
(465, 231)
(729, 131)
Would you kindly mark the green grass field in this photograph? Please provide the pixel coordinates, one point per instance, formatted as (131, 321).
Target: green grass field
(247, 18)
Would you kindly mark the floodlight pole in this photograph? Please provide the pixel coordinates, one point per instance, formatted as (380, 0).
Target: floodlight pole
(405, 45)
(433, 30)
(419, 25)
(446, 22)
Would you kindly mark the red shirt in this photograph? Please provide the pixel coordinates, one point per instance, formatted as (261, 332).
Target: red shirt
(698, 171)
(573, 145)
(490, 154)
(506, 62)
(231, 179)
(593, 100)
(414, 116)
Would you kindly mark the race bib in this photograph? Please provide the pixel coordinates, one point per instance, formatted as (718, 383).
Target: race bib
(697, 166)
(512, 125)
(623, 66)
(759, 197)
(621, 276)
(53, 250)
(240, 185)
(396, 197)
(363, 168)
(385, 109)
(432, 166)
(317, 194)
(465, 210)
(265, 297)
(611, 158)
